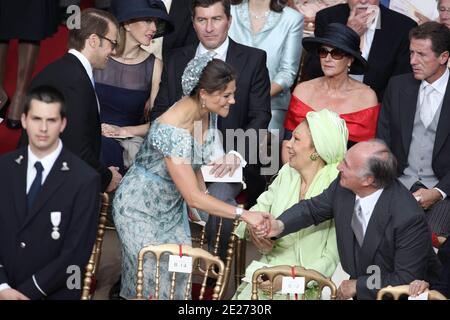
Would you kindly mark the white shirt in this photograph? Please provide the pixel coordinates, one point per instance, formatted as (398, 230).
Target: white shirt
(367, 205)
(367, 45)
(221, 53)
(88, 67)
(437, 97)
(47, 163)
(155, 46)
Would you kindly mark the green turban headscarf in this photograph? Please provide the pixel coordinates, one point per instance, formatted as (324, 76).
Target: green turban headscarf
(330, 135)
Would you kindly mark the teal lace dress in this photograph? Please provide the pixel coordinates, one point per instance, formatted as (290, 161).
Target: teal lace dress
(149, 209)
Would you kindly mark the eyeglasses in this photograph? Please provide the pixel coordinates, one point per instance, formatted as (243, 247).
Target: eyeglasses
(443, 9)
(114, 44)
(336, 54)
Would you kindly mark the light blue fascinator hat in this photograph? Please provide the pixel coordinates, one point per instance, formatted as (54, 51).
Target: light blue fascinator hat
(193, 72)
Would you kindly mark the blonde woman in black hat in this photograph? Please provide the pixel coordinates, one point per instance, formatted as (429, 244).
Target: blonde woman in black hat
(128, 85)
(354, 101)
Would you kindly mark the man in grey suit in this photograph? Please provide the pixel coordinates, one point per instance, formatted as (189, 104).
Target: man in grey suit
(382, 235)
(414, 122)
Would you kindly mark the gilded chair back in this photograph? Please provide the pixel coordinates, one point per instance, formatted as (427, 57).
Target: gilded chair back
(204, 265)
(234, 251)
(284, 270)
(94, 260)
(403, 290)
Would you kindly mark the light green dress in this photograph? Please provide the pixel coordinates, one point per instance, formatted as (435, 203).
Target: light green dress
(313, 247)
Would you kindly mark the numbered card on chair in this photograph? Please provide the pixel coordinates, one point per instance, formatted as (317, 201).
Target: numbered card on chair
(180, 264)
(422, 296)
(293, 285)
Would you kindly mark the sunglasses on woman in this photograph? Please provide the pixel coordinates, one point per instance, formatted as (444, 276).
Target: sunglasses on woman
(336, 54)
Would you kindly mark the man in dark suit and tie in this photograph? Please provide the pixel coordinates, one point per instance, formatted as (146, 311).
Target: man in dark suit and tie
(415, 123)
(384, 41)
(90, 46)
(251, 112)
(50, 203)
(382, 235)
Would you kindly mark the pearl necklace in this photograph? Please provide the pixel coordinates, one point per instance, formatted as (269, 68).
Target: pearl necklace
(264, 15)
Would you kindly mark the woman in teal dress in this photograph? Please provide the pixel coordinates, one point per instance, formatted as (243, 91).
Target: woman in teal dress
(318, 144)
(150, 205)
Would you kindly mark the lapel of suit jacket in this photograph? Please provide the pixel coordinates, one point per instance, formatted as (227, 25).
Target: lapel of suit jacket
(346, 248)
(375, 229)
(234, 58)
(54, 179)
(180, 65)
(443, 128)
(19, 184)
(74, 60)
(407, 111)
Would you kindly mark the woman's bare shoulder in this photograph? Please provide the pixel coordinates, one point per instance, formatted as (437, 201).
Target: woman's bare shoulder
(365, 94)
(304, 89)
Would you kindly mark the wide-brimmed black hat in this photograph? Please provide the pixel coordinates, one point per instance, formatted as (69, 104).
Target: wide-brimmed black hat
(126, 10)
(339, 36)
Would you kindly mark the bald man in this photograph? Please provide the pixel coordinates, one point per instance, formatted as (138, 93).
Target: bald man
(382, 235)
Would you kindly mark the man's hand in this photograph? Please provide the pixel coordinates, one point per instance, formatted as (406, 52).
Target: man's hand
(427, 197)
(346, 290)
(417, 287)
(225, 164)
(115, 180)
(421, 17)
(358, 20)
(11, 294)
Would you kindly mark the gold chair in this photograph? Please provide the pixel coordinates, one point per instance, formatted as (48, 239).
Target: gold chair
(204, 265)
(284, 270)
(403, 290)
(235, 251)
(94, 260)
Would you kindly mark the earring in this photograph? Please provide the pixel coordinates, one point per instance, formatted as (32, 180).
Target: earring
(314, 156)
(203, 104)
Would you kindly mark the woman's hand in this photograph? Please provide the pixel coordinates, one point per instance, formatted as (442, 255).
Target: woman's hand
(225, 164)
(111, 131)
(263, 245)
(265, 285)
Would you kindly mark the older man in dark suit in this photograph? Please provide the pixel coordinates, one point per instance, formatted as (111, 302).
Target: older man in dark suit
(49, 212)
(382, 235)
(90, 46)
(384, 40)
(414, 122)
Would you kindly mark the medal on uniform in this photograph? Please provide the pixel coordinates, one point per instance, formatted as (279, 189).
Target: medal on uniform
(19, 159)
(65, 167)
(55, 218)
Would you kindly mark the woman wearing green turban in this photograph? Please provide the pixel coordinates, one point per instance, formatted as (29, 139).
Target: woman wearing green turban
(317, 145)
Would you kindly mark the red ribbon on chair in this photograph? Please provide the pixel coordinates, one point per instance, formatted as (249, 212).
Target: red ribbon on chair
(293, 276)
(181, 250)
